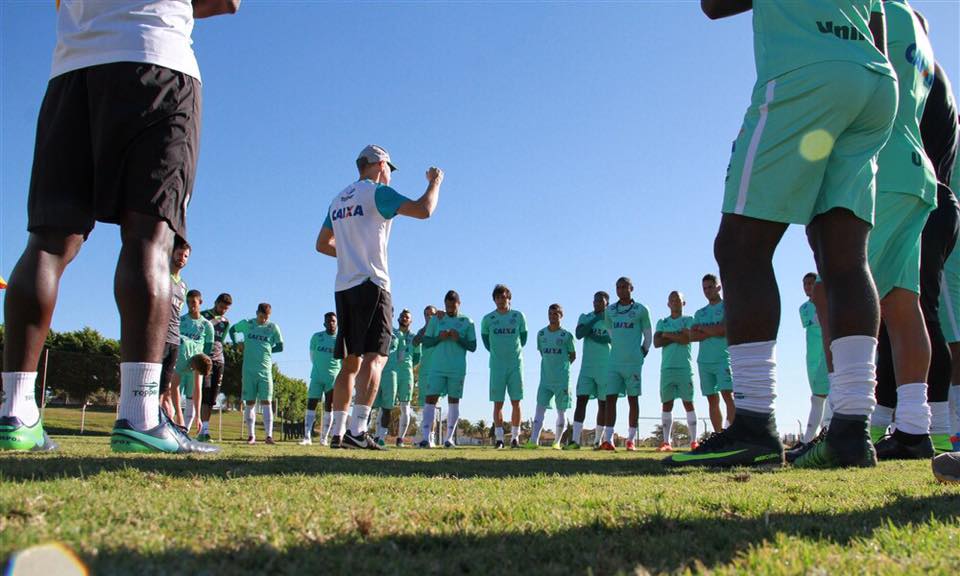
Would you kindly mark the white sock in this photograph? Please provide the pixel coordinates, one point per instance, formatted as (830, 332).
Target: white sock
(692, 425)
(499, 432)
(882, 417)
(429, 412)
(139, 394)
(608, 434)
(339, 423)
(600, 434)
(453, 416)
(188, 413)
(954, 400)
(205, 427)
(267, 410)
(817, 404)
(939, 417)
(854, 375)
(404, 419)
(754, 369)
(577, 431)
(308, 423)
(560, 426)
(537, 424)
(913, 412)
(514, 432)
(666, 421)
(828, 407)
(361, 419)
(250, 415)
(631, 434)
(19, 397)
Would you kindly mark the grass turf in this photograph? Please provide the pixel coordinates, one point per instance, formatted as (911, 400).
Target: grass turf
(293, 509)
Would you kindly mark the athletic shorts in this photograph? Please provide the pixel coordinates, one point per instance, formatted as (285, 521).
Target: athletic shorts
(590, 382)
(168, 365)
(423, 379)
(404, 385)
(211, 384)
(714, 378)
(387, 393)
(445, 385)
(257, 386)
(817, 376)
(676, 383)
(115, 138)
(363, 317)
(553, 396)
(186, 384)
(623, 380)
(321, 385)
(950, 297)
(893, 249)
(505, 381)
(809, 143)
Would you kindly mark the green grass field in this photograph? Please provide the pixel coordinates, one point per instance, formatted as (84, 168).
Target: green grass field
(293, 509)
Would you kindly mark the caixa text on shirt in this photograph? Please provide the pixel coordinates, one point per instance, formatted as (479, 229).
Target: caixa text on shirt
(346, 212)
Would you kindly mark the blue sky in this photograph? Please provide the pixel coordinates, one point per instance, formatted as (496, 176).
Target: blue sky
(581, 141)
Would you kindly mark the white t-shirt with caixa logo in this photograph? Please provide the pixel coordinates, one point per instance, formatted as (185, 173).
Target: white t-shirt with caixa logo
(94, 32)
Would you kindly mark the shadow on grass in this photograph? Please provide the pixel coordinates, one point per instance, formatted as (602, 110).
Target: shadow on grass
(660, 543)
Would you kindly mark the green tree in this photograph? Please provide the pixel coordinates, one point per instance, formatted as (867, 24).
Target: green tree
(289, 395)
(232, 370)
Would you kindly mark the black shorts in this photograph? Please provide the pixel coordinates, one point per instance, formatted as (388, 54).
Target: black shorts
(168, 365)
(111, 139)
(211, 385)
(364, 316)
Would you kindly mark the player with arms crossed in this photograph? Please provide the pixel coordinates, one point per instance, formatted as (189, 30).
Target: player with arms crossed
(504, 334)
(713, 360)
(676, 369)
(593, 369)
(322, 375)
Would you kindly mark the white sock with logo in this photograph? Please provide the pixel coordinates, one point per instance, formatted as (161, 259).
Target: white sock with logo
(754, 369)
(19, 397)
(267, 410)
(429, 413)
(537, 425)
(666, 422)
(854, 375)
(250, 415)
(817, 404)
(339, 423)
(560, 426)
(913, 412)
(577, 431)
(308, 421)
(453, 416)
(361, 419)
(140, 394)
(692, 424)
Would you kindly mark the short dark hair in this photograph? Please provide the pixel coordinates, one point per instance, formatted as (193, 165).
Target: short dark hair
(502, 289)
(264, 307)
(602, 294)
(625, 279)
(404, 311)
(181, 242)
(202, 364)
(556, 307)
(452, 295)
(193, 293)
(429, 307)
(710, 277)
(809, 275)
(225, 298)
(329, 315)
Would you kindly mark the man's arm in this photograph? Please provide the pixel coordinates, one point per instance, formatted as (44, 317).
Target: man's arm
(582, 331)
(423, 207)
(658, 340)
(208, 8)
(715, 9)
(326, 243)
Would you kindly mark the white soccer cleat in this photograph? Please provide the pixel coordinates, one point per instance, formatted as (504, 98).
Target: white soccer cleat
(306, 442)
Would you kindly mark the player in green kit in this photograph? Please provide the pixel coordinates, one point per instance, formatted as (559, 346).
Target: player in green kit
(322, 375)
(425, 361)
(592, 329)
(816, 371)
(822, 108)
(713, 360)
(196, 338)
(211, 382)
(628, 323)
(676, 369)
(504, 334)
(407, 357)
(557, 352)
(451, 336)
(386, 399)
(261, 340)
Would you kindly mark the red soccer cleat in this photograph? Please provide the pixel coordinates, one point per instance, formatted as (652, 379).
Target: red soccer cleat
(665, 447)
(630, 446)
(608, 446)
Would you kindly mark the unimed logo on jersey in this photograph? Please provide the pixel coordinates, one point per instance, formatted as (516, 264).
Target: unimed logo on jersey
(842, 32)
(346, 212)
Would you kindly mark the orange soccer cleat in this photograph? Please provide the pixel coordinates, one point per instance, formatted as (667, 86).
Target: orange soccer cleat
(630, 446)
(665, 447)
(608, 446)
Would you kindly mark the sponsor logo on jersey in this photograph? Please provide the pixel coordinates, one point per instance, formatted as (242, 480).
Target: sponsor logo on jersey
(346, 212)
(842, 32)
(623, 325)
(923, 66)
(550, 350)
(504, 331)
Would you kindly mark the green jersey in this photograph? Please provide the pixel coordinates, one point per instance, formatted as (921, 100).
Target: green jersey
(714, 349)
(449, 356)
(555, 348)
(790, 34)
(425, 354)
(196, 337)
(904, 166)
(401, 351)
(504, 334)
(258, 343)
(629, 328)
(811, 324)
(324, 364)
(676, 355)
(596, 342)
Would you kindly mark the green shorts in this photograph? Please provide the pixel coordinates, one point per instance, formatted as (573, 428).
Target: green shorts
(321, 385)
(676, 383)
(387, 394)
(714, 378)
(590, 382)
(257, 386)
(505, 381)
(950, 298)
(893, 249)
(422, 379)
(404, 385)
(186, 383)
(817, 376)
(445, 385)
(552, 396)
(809, 143)
(623, 380)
